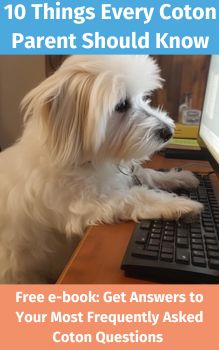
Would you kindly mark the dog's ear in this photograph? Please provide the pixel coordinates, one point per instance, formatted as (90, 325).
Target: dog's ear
(103, 97)
(71, 108)
(60, 106)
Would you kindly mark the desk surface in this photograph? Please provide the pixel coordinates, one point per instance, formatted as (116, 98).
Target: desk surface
(98, 257)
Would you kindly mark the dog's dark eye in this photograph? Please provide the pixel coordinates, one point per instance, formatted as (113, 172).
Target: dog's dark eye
(122, 106)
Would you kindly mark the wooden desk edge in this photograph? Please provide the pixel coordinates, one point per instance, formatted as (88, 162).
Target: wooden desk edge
(74, 256)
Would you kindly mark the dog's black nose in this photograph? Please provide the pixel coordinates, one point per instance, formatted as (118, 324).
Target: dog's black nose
(165, 134)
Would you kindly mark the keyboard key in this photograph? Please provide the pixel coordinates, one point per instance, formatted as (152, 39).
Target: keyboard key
(157, 222)
(182, 231)
(197, 247)
(198, 261)
(196, 224)
(153, 247)
(141, 237)
(193, 197)
(196, 235)
(207, 222)
(198, 253)
(145, 254)
(182, 242)
(206, 218)
(196, 241)
(169, 228)
(168, 238)
(215, 248)
(209, 229)
(182, 234)
(168, 250)
(167, 245)
(211, 241)
(166, 257)
(212, 254)
(156, 230)
(154, 241)
(209, 235)
(182, 256)
(214, 264)
(155, 235)
(145, 224)
(195, 230)
(169, 223)
(169, 233)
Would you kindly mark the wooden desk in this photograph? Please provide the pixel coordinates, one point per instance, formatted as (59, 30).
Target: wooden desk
(99, 255)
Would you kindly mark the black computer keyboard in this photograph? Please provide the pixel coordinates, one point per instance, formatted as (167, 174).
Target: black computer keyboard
(176, 251)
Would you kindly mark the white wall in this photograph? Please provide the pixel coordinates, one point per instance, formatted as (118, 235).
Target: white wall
(18, 74)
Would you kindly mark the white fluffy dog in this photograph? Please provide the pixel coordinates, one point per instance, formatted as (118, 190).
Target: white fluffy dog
(87, 128)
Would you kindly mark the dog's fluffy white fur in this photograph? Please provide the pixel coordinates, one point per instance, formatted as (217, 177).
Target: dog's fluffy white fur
(86, 127)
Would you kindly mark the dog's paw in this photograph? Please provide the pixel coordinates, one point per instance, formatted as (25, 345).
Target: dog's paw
(183, 208)
(190, 208)
(182, 179)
